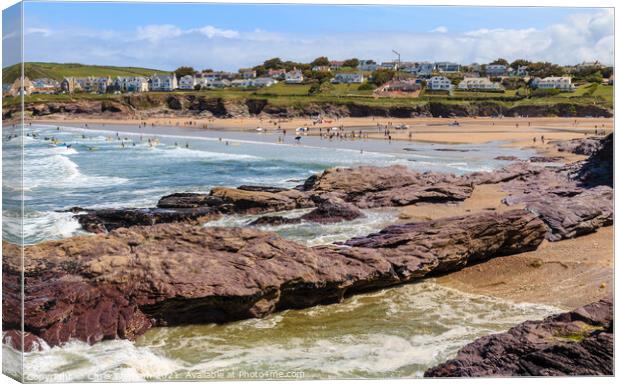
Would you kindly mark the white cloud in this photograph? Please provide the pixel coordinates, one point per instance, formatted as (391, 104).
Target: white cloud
(582, 36)
(211, 32)
(43, 31)
(155, 33)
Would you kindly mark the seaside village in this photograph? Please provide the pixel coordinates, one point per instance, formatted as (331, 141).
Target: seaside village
(391, 78)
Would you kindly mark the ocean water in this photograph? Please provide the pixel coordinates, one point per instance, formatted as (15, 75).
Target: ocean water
(397, 332)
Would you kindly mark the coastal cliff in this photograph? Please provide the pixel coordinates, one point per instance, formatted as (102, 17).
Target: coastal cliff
(151, 105)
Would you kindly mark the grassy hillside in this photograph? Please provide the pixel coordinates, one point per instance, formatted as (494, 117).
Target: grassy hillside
(59, 71)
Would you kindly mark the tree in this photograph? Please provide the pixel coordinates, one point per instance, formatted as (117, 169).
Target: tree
(352, 63)
(519, 63)
(183, 71)
(500, 61)
(321, 76)
(321, 88)
(197, 87)
(545, 69)
(275, 63)
(382, 76)
(320, 61)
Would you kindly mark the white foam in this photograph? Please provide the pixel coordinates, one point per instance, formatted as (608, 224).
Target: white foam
(310, 233)
(187, 153)
(58, 171)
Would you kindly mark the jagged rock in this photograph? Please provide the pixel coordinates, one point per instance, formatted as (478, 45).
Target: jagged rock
(507, 158)
(371, 187)
(331, 209)
(104, 220)
(275, 220)
(513, 171)
(579, 342)
(23, 341)
(583, 146)
(569, 214)
(188, 200)
(254, 202)
(262, 188)
(599, 168)
(546, 159)
(117, 285)
(438, 246)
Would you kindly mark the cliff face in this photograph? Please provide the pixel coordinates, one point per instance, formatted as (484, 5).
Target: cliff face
(153, 104)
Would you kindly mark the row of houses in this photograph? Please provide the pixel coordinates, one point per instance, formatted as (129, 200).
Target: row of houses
(442, 83)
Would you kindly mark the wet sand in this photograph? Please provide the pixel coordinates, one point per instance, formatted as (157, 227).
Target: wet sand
(565, 274)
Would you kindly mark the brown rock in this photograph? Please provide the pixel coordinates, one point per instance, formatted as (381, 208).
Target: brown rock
(573, 343)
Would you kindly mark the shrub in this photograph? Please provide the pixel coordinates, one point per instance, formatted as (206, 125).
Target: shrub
(545, 92)
(366, 87)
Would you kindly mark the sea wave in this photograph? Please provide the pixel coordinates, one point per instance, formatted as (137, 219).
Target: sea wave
(59, 171)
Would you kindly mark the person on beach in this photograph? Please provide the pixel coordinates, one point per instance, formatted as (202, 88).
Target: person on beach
(534, 139)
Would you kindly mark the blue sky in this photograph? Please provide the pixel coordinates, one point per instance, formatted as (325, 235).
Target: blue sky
(232, 36)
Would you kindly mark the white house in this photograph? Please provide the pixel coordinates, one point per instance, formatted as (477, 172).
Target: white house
(367, 65)
(348, 78)
(263, 82)
(241, 83)
(163, 82)
(390, 65)
(497, 70)
(479, 84)
(439, 83)
(222, 83)
(448, 67)
(187, 82)
(131, 84)
(322, 68)
(562, 83)
(294, 77)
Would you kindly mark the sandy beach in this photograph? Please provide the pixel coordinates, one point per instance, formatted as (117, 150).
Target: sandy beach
(514, 131)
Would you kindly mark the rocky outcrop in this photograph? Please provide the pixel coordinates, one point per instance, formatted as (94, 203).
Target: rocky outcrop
(584, 146)
(104, 220)
(570, 212)
(253, 201)
(331, 209)
(598, 169)
(397, 185)
(118, 285)
(579, 342)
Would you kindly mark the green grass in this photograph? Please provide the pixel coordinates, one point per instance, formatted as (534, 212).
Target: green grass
(57, 71)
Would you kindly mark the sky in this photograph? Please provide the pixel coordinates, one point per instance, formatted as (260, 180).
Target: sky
(228, 36)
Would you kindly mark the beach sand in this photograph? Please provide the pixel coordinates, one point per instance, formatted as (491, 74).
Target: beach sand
(513, 131)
